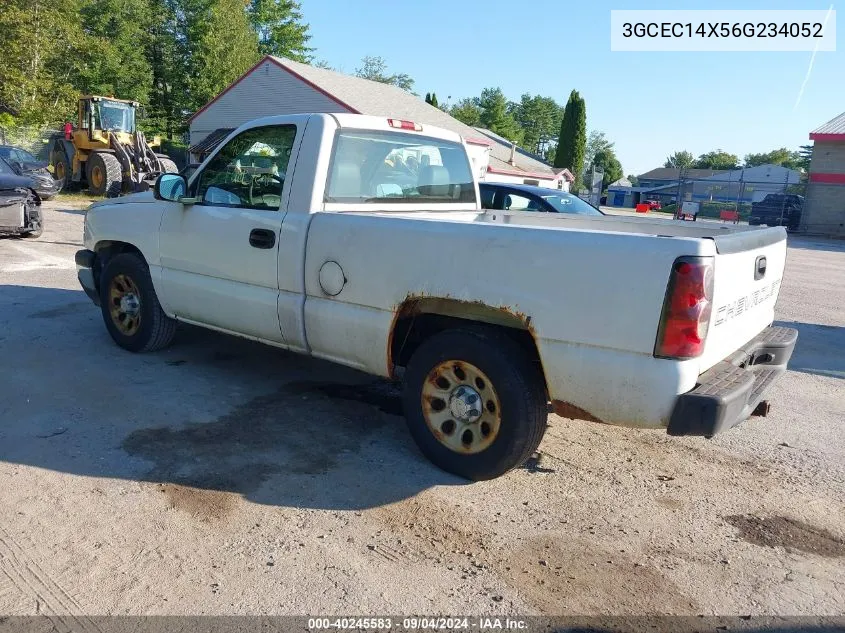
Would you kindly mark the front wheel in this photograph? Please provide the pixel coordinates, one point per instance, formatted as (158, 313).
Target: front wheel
(475, 406)
(131, 310)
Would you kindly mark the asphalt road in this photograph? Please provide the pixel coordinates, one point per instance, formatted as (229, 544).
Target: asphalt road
(224, 477)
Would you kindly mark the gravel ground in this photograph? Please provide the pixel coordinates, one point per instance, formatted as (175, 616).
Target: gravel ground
(224, 477)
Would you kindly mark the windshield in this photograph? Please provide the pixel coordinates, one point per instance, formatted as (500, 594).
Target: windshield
(113, 115)
(371, 166)
(567, 203)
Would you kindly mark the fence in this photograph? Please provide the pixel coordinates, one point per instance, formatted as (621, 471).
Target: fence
(725, 198)
(33, 139)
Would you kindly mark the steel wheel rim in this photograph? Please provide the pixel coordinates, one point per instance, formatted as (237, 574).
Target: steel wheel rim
(125, 305)
(461, 407)
(96, 176)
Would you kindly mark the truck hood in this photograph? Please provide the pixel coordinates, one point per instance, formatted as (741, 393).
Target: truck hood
(142, 197)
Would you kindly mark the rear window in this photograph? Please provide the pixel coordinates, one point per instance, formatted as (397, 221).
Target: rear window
(373, 166)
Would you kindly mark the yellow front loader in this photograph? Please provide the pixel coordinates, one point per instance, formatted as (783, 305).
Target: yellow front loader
(106, 151)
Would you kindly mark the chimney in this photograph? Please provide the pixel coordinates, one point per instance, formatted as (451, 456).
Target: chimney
(512, 160)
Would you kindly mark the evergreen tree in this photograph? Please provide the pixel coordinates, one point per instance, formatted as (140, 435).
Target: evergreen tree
(467, 111)
(280, 29)
(434, 100)
(222, 46)
(496, 117)
(573, 137)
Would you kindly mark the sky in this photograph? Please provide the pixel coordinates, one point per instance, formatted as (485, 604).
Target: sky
(649, 104)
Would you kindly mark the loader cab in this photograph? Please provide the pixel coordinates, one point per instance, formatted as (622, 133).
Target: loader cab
(98, 115)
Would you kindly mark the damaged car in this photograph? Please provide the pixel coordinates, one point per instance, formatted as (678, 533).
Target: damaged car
(20, 205)
(25, 164)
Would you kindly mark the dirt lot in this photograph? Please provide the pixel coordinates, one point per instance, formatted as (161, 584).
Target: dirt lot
(223, 477)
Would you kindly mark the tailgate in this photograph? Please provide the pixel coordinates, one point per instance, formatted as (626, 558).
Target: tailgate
(747, 276)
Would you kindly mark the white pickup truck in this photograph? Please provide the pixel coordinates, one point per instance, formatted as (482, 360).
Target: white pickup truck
(361, 240)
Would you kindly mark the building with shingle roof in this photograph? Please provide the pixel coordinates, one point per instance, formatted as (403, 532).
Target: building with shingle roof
(277, 85)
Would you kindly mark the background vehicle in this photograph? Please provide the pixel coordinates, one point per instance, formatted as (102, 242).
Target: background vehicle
(778, 209)
(653, 205)
(25, 164)
(295, 232)
(517, 197)
(20, 206)
(106, 151)
(687, 211)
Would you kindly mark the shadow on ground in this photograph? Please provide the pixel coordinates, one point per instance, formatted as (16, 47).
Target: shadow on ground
(819, 349)
(71, 210)
(211, 418)
(816, 244)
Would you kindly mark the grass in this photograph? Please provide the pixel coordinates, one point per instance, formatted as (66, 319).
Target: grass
(76, 196)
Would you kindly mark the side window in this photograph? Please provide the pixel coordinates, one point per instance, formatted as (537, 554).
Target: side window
(488, 194)
(249, 171)
(515, 202)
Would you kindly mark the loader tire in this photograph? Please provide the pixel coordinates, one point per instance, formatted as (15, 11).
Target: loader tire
(104, 175)
(167, 165)
(62, 170)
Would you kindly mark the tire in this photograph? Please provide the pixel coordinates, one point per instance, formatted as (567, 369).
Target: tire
(510, 389)
(167, 165)
(62, 170)
(104, 175)
(128, 274)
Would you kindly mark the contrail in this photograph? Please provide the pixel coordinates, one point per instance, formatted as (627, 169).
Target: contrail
(812, 60)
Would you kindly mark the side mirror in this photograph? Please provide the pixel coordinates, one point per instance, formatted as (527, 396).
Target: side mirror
(173, 188)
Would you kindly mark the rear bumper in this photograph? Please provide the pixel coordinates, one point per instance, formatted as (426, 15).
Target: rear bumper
(729, 392)
(85, 261)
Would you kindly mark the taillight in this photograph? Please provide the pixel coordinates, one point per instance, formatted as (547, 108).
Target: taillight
(404, 125)
(686, 309)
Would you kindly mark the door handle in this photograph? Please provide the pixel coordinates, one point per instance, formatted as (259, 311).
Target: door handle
(760, 267)
(262, 238)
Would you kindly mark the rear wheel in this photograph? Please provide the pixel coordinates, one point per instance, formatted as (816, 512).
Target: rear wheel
(104, 175)
(131, 310)
(474, 404)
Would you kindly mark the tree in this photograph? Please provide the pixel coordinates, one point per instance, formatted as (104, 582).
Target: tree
(166, 51)
(495, 116)
(596, 142)
(539, 117)
(222, 46)
(431, 99)
(280, 29)
(717, 160)
(805, 155)
(781, 156)
(41, 43)
(375, 69)
(467, 111)
(572, 142)
(635, 182)
(680, 160)
(605, 160)
(114, 61)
